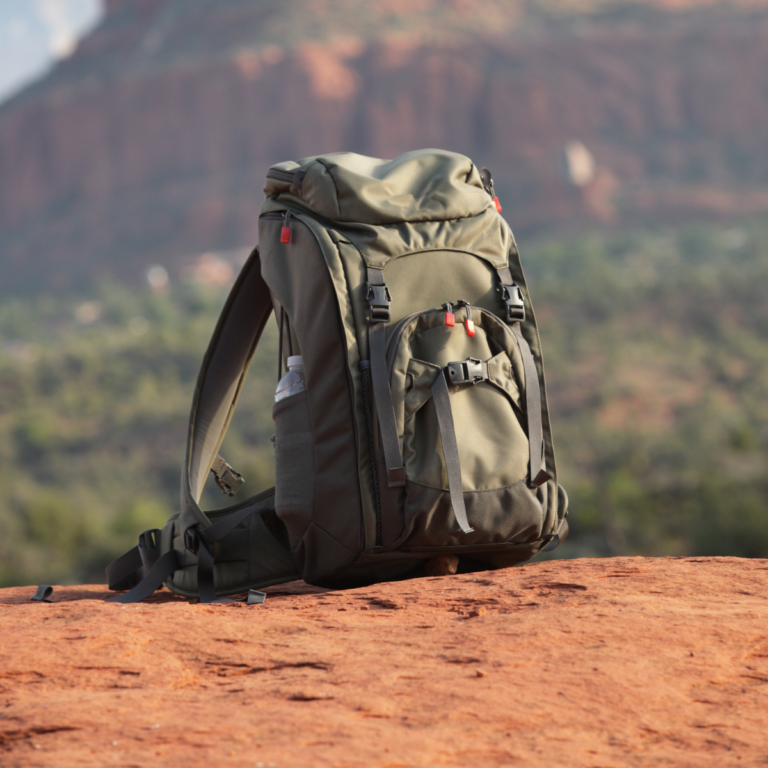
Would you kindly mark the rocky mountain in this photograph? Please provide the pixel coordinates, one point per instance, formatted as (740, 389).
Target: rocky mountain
(150, 143)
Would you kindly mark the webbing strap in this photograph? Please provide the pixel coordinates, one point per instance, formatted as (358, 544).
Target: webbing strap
(129, 569)
(538, 476)
(382, 394)
(221, 377)
(207, 537)
(513, 298)
(43, 594)
(159, 572)
(205, 587)
(125, 571)
(450, 450)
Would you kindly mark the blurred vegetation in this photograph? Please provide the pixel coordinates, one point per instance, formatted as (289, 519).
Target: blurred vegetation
(656, 351)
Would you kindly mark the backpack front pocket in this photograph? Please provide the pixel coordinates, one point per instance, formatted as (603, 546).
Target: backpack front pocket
(476, 441)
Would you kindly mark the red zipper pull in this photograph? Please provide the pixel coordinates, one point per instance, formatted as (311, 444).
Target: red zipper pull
(469, 324)
(450, 318)
(285, 234)
(487, 179)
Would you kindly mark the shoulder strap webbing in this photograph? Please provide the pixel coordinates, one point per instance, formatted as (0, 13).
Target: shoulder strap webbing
(218, 386)
(221, 377)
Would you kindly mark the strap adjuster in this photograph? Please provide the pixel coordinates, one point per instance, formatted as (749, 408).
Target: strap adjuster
(469, 371)
(513, 298)
(192, 540)
(379, 300)
(229, 480)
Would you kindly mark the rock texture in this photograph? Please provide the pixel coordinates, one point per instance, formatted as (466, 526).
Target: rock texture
(151, 142)
(594, 663)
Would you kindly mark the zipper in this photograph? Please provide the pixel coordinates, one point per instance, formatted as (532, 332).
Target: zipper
(285, 233)
(397, 335)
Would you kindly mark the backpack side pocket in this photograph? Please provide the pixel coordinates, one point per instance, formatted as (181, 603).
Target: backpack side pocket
(294, 465)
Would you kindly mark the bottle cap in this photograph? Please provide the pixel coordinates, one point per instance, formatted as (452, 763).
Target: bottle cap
(295, 360)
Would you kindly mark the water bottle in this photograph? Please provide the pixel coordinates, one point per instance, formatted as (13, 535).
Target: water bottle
(293, 381)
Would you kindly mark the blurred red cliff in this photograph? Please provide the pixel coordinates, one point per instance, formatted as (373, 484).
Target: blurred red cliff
(150, 143)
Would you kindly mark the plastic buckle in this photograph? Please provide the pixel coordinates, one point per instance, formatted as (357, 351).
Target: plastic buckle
(379, 300)
(469, 371)
(192, 540)
(513, 298)
(230, 482)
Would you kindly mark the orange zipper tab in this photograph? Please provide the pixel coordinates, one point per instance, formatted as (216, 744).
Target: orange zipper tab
(285, 234)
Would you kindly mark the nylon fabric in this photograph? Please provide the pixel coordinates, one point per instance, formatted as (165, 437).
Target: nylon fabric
(423, 185)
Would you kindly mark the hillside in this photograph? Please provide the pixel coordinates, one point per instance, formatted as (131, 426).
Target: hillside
(150, 144)
(622, 662)
(656, 354)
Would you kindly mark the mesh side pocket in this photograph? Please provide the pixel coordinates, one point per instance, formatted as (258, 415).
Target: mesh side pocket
(294, 465)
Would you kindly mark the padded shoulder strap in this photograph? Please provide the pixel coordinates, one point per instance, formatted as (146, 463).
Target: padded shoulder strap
(221, 377)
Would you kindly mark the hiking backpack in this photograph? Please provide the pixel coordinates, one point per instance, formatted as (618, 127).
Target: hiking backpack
(423, 428)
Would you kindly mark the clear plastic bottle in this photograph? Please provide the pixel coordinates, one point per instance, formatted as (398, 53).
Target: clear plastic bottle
(293, 381)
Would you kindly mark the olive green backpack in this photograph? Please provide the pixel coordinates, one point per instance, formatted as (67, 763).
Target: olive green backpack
(423, 427)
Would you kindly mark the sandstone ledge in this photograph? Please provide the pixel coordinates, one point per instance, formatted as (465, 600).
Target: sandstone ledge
(616, 662)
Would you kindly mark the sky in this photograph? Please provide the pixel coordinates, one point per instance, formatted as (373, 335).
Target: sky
(34, 34)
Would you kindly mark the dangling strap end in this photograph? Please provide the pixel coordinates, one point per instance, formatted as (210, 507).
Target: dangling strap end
(542, 477)
(44, 592)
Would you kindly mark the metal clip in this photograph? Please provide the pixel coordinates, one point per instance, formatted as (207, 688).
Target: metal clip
(469, 371)
(379, 300)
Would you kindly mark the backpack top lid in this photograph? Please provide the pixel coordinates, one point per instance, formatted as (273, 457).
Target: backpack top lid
(423, 185)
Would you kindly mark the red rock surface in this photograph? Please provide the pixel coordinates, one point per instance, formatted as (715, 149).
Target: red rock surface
(616, 662)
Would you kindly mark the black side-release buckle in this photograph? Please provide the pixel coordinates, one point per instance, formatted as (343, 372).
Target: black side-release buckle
(192, 540)
(513, 298)
(379, 300)
(469, 371)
